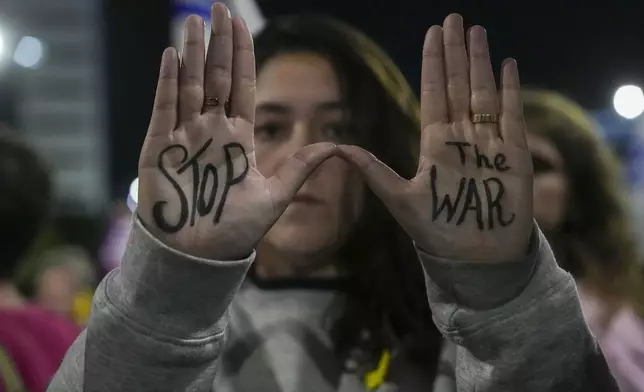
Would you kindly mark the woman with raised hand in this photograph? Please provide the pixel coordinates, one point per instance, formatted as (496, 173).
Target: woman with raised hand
(581, 206)
(272, 178)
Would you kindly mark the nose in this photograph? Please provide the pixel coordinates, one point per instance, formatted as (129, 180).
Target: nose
(304, 134)
(300, 134)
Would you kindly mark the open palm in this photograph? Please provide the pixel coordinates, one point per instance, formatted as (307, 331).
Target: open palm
(199, 188)
(472, 196)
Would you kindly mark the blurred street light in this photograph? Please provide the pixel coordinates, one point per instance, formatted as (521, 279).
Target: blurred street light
(628, 101)
(2, 44)
(28, 52)
(133, 196)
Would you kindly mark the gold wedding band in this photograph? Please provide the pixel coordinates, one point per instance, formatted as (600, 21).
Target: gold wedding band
(485, 118)
(213, 102)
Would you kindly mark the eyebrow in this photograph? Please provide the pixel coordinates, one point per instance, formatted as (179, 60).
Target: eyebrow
(330, 106)
(281, 108)
(271, 107)
(556, 163)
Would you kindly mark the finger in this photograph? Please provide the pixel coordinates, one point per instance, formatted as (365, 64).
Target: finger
(219, 61)
(191, 71)
(382, 180)
(433, 98)
(242, 97)
(456, 68)
(292, 174)
(482, 83)
(164, 112)
(511, 123)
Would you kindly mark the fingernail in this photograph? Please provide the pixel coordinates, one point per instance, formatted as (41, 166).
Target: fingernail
(196, 19)
(171, 53)
(228, 12)
(222, 9)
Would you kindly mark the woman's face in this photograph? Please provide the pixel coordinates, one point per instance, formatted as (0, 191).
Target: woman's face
(298, 103)
(550, 182)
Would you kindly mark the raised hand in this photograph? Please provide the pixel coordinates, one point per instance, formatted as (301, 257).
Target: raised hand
(199, 188)
(472, 196)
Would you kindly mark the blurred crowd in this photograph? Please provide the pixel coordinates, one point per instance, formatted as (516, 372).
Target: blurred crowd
(46, 283)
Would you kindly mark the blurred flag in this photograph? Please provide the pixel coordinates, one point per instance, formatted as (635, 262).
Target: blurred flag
(113, 246)
(626, 138)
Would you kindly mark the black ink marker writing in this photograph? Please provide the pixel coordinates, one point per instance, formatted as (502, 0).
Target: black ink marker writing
(157, 209)
(498, 163)
(461, 149)
(230, 180)
(446, 204)
(205, 184)
(494, 202)
(469, 201)
(472, 204)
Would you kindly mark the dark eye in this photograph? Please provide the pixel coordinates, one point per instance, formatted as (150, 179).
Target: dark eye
(337, 131)
(269, 130)
(541, 165)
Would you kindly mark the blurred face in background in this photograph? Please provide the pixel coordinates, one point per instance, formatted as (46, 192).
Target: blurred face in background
(299, 102)
(66, 280)
(550, 182)
(56, 291)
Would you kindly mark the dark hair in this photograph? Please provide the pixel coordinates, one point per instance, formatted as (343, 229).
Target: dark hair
(385, 303)
(24, 200)
(595, 241)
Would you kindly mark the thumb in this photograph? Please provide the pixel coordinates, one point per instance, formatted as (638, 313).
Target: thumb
(292, 174)
(381, 178)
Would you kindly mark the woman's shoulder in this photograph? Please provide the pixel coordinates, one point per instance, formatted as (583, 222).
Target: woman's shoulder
(597, 312)
(623, 347)
(626, 327)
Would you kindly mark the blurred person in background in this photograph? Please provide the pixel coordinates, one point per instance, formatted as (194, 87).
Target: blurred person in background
(336, 298)
(113, 245)
(65, 282)
(581, 206)
(33, 341)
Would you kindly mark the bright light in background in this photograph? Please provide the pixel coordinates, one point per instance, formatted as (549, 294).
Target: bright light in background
(2, 44)
(247, 9)
(628, 101)
(29, 52)
(133, 195)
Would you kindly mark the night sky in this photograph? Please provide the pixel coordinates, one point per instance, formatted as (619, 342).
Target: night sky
(584, 51)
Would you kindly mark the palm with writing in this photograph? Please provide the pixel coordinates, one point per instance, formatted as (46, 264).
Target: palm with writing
(472, 196)
(199, 188)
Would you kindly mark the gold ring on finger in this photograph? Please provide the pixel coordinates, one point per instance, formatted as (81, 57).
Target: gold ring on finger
(214, 102)
(485, 118)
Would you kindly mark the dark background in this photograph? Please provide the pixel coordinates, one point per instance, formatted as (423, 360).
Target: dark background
(580, 49)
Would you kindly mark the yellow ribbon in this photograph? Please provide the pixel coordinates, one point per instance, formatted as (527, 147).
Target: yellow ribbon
(82, 307)
(376, 377)
(9, 374)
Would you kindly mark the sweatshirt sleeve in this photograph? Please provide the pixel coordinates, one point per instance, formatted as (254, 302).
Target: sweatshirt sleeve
(517, 326)
(149, 329)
